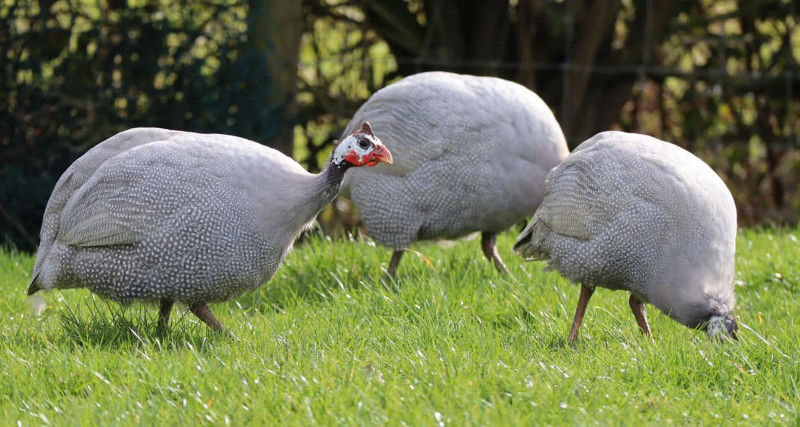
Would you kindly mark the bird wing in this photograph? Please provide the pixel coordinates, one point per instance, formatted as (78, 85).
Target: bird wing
(127, 197)
(571, 207)
(574, 204)
(104, 212)
(82, 169)
(79, 173)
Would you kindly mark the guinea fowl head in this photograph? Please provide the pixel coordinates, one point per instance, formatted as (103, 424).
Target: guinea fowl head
(721, 326)
(361, 148)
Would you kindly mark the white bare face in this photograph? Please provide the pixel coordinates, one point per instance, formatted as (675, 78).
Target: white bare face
(361, 148)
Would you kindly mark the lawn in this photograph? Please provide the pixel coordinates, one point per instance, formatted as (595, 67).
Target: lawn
(330, 340)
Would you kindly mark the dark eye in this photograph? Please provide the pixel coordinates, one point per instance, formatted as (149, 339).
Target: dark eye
(363, 143)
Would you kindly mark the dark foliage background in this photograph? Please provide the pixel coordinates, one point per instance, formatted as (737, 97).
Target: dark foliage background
(718, 77)
(73, 75)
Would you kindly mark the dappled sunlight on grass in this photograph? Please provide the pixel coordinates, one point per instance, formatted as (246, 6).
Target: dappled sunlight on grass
(331, 339)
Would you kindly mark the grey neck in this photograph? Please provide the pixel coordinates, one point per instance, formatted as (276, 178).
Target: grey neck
(326, 186)
(334, 173)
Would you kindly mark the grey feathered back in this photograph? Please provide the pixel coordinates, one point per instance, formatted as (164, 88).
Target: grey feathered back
(77, 174)
(627, 211)
(470, 153)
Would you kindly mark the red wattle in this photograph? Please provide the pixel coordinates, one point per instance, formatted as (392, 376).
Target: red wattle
(353, 158)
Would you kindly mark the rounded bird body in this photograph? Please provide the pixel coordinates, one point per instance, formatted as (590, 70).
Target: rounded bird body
(627, 211)
(152, 214)
(471, 154)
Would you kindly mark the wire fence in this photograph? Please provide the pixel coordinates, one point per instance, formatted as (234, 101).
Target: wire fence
(788, 77)
(754, 78)
(739, 117)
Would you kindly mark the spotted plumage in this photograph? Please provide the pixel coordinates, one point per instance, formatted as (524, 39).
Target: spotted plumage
(154, 214)
(631, 212)
(471, 154)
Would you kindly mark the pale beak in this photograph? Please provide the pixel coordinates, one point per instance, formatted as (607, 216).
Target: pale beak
(381, 154)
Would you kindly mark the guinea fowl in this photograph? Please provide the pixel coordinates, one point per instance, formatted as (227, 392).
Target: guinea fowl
(631, 212)
(161, 215)
(471, 154)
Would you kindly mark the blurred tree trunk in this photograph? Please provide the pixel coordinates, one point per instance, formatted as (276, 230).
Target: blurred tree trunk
(593, 26)
(592, 44)
(459, 35)
(273, 33)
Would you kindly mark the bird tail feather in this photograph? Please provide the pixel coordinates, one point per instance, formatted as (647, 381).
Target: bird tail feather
(529, 244)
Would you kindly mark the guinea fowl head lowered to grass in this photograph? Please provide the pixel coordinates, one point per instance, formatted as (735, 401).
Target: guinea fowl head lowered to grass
(159, 215)
(631, 212)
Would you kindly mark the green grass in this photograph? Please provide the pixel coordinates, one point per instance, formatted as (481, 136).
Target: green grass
(328, 340)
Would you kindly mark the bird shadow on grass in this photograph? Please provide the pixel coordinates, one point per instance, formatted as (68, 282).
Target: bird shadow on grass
(316, 282)
(318, 272)
(295, 285)
(108, 325)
